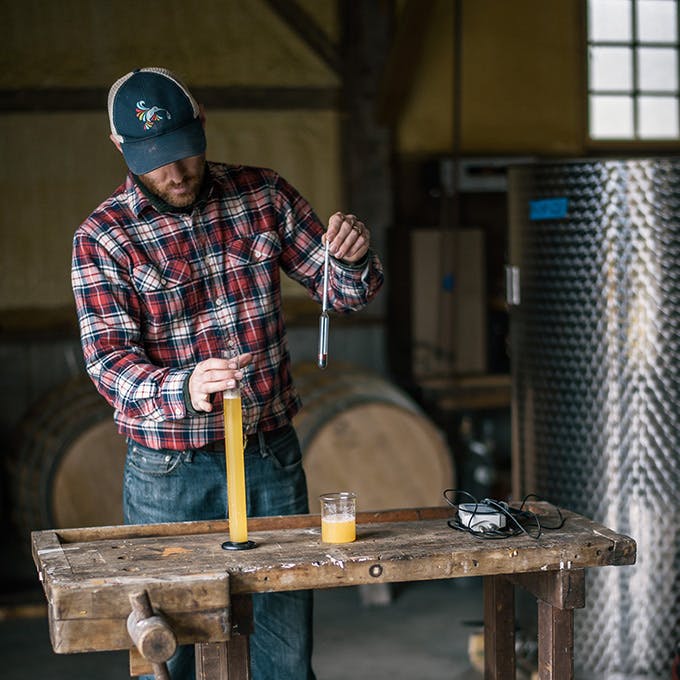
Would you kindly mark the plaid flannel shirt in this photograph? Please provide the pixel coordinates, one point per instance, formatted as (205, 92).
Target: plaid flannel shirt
(158, 292)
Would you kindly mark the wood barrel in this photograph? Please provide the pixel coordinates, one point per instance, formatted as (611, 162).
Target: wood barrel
(358, 432)
(65, 468)
(361, 433)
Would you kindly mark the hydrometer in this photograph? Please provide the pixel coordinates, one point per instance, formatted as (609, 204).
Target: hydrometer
(323, 319)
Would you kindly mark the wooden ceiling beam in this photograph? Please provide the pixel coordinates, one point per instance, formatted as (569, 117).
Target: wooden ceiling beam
(250, 97)
(301, 23)
(403, 60)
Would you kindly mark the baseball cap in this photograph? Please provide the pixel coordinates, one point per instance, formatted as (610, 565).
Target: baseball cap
(155, 119)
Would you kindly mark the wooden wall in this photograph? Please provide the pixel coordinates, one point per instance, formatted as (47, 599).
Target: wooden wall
(277, 94)
(58, 60)
(520, 93)
(521, 79)
(270, 76)
(286, 84)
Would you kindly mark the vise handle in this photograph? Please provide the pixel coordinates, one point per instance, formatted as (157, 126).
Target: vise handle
(151, 633)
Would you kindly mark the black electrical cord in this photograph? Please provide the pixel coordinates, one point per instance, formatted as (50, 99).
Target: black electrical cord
(518, 520)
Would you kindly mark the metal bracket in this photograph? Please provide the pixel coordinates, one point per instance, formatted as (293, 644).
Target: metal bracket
(512, 285)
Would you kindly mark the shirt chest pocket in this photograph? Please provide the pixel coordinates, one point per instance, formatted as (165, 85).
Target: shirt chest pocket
(252, 275)
(256, 250)
(168, 290)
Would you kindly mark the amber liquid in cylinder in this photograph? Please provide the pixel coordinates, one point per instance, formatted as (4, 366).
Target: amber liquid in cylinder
(236, 476)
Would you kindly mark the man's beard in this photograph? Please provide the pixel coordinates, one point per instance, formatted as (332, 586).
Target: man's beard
(177, 194)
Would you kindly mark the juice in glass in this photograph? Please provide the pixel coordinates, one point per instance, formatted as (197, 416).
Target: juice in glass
(338, 529)
(338, 517)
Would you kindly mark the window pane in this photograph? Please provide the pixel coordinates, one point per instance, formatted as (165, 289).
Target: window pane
(611, 117)
(657, 20)
(611, 68)
(657, 69)
(658, 117)
(609, 20)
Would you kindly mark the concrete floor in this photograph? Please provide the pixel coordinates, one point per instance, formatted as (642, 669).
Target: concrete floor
(422, 634)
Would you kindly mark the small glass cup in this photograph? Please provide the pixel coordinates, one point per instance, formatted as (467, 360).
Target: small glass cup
(338, 517)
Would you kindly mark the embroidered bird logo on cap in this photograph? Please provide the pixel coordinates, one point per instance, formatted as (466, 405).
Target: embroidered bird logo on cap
(150, 114)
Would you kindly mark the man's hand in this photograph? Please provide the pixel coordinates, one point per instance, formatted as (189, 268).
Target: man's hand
(348, 236)
(215, 375)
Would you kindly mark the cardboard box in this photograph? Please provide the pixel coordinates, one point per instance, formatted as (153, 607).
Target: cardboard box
(448, 302)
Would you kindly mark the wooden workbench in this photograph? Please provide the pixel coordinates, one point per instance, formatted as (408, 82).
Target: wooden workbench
(203, 591)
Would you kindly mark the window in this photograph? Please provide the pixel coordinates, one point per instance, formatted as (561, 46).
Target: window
(633, 89)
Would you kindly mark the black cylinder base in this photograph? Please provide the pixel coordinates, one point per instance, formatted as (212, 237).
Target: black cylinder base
(245, 545)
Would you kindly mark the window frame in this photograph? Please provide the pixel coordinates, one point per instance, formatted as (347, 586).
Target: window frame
(627, 144)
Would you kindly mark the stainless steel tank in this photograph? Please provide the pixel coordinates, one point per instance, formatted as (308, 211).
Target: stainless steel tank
(595, 352)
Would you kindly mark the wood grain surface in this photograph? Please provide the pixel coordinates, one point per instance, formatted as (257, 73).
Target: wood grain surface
(89, 574)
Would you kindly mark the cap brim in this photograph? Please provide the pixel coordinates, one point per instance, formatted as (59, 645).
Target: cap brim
(146, 155)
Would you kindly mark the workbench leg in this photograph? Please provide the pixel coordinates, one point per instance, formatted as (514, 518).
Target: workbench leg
(555, 642)
(499, 628)
(558, 592)
(229, 660)
(223, 660)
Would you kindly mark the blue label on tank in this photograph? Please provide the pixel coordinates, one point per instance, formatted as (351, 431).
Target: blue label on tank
(548, 209)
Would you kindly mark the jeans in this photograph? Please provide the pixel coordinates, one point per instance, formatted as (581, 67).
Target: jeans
(175, 486)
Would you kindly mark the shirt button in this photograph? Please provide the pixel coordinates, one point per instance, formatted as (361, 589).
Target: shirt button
(167, 459)
(178, 411)
(219, 302)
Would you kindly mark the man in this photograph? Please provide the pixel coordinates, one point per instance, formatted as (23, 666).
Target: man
(176, 281)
